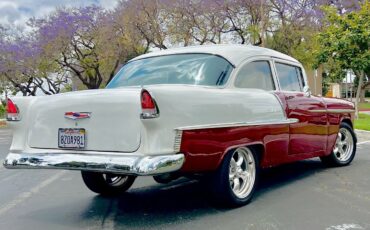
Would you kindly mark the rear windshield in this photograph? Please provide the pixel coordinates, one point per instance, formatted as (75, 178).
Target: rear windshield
(190, 69)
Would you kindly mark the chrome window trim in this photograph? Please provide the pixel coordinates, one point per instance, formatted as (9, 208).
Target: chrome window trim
(185, 53)
(249, 61)
(239, 124)
(298, 78)
(234, 74)
(287, 62)
(225, 85)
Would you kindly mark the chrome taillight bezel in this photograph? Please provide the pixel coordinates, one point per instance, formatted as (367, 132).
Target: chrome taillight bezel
(12, 116)
(149, 113)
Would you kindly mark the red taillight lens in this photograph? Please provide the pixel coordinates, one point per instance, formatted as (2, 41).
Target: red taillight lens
(12, 113)
(10, 107)
(147, 101)
(148, 106)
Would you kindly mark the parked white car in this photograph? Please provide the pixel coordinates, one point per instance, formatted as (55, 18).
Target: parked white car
(223, 111)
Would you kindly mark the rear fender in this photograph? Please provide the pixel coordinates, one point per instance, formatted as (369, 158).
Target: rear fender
(20, 128)
(252, 145)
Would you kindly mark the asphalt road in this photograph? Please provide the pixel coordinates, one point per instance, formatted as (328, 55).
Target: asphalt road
(303, 195)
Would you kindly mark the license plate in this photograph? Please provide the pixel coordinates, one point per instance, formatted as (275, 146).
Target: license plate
(71, 138)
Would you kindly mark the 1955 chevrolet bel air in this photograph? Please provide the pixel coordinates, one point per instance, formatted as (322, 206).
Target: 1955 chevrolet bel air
(221, 111)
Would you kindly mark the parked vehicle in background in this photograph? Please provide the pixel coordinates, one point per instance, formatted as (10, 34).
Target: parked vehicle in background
(222, 111)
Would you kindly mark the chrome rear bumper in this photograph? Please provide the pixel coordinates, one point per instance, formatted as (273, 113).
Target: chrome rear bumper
(121, 164)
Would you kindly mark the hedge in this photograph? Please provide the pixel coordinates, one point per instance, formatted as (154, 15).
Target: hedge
(2, 111)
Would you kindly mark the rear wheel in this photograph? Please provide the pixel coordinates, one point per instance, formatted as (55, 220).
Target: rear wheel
(344, 149)
(107, 184)
(235, 181)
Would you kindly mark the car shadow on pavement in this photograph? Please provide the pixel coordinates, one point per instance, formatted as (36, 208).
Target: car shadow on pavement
(282, 175)
(182, 201)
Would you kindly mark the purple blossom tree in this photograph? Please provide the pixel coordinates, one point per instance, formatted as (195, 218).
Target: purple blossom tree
(84, 42)
(88, 44)
(23, 68)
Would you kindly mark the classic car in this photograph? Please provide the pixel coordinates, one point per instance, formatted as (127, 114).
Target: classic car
(220, 113)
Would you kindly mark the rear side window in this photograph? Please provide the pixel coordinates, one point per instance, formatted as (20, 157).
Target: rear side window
(290, 77)
(256, 75)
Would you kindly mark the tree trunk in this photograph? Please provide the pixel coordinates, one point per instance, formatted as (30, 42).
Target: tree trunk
(362, 96)
(358, 94)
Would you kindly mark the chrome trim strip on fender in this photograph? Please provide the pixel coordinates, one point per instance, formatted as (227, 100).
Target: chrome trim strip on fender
(128, 165)
(178, 139)
(332, 111)
(239, 124)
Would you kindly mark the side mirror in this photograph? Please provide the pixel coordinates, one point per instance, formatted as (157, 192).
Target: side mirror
(307, 91)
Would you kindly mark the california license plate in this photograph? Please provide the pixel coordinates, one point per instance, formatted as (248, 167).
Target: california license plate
(71, 138)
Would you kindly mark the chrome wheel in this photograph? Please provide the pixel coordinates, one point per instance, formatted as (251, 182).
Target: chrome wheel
(115, 180)
(344, 144)
(242, 172)
(107, 183)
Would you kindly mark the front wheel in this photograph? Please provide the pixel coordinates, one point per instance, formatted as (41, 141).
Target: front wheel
(236, 180)
(107, 184)
(344, 149)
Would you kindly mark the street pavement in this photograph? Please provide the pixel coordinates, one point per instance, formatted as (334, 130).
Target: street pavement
(302, 195)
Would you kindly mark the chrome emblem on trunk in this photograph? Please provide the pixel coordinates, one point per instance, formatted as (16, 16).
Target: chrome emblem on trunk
(77, 115)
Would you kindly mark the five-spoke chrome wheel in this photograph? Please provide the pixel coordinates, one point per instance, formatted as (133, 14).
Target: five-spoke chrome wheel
(344, 149)
(234, 182)
(344, 145)
(242, 172)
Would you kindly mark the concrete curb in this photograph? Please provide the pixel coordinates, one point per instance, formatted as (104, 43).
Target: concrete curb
(363, 136)
(362, 131)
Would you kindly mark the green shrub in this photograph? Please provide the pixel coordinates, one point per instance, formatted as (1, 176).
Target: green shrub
(2, 111)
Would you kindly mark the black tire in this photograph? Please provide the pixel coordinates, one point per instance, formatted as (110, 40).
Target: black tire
(335, 159)
(222, 187)
(107, 184)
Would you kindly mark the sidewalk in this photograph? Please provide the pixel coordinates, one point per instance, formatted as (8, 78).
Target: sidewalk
(362, 135)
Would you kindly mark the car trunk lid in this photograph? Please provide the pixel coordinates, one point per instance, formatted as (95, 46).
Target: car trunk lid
(110, 118)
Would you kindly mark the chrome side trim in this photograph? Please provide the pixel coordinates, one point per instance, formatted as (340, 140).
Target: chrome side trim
(128, 165)
(239, 124)
(178, 139)
(332, 111)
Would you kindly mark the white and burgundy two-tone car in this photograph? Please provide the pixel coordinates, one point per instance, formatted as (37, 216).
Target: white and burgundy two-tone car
(222, 111)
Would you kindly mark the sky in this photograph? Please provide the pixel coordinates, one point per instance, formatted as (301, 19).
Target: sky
(17, 12)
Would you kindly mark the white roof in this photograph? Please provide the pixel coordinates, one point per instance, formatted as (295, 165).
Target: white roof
(235, 54)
